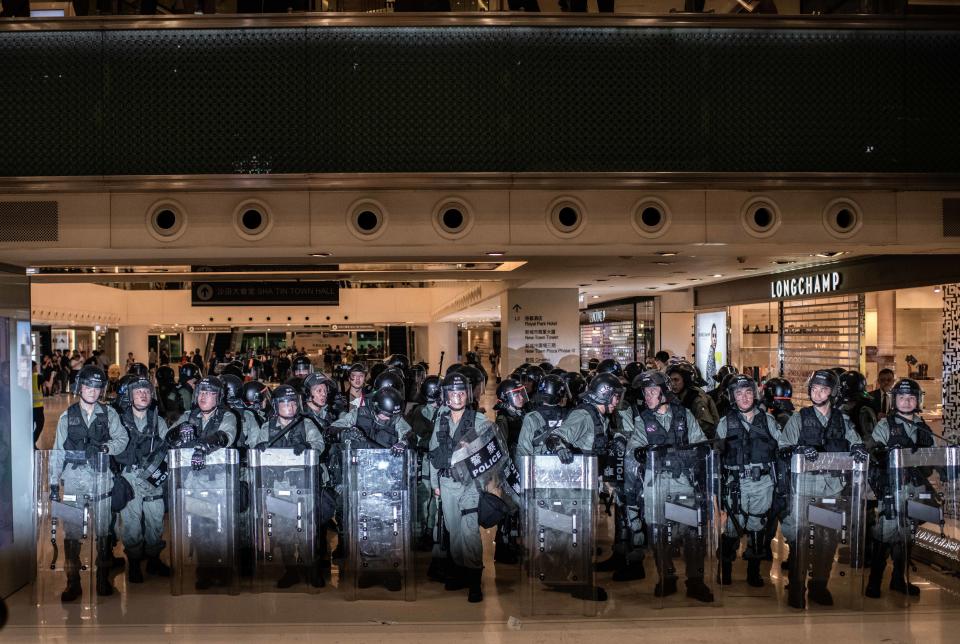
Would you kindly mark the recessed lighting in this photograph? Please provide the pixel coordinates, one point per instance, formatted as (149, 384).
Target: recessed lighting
(600, 279)
(693, 279)
(582, 285)
(320, 254)
(651, 288)
(717, 275)
(596, 297)
(666, 253)
(495, 253)
(617, 275)
(671, 283)
(32, 271)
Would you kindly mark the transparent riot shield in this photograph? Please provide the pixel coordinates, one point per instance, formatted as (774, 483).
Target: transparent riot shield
(828, 515)
(481, 456)
(73, 511)
(379, 497)
(557, 514)
(681, 508)
(284, 519)
(203, 522)
(926, 488)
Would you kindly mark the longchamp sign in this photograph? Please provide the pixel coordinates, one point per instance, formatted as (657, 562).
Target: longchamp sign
(816, 284)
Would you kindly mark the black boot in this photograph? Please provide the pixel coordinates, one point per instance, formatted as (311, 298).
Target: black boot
(73, 591)
(475, 592)
(436, 570)
(614, 562)
(698, 590)
(134, 573)
(819, 593)
(589, 593)
(899, 583)
(291, 577)
(456, 578)
(728, 552)
(665, 587)
(315, 575)
(878, 563)
(104, 564)
(796, 591)
(504, 554)
(630, 572)
(753, 573)
(157, 568)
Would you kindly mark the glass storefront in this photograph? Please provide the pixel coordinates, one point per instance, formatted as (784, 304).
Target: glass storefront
(623, 330)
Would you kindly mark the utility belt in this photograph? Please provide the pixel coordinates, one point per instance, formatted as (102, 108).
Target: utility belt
(752, 472)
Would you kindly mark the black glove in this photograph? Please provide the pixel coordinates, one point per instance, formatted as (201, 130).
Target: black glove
(54, 492)
(619, 444)
(556, 445)
(809, 453)
(398, 449)
(299, 449)
(186, 434)
(218, 440)
(261, 447)
(859, 453)
(352, 434)
(199, 459)
(94, 450)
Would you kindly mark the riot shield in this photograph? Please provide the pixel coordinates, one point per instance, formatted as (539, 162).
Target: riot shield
(284, 519)
(379, 497)
(828, 515)
(926, 487)
(681, 508)
(557, 514)
(481, 455)
(73, 511)
(203, 522)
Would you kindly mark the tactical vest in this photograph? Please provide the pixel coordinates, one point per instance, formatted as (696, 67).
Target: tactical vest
(831, 438)
(511, 424)
(553, 417)
(141, 444)
(745, 447)
(600, 438)
(79, 436)
(440, 457)
(899, 437)
(293, 435)
(213, 425)
(657, 434)
(854, 414)
(322, 422)
(376, 435)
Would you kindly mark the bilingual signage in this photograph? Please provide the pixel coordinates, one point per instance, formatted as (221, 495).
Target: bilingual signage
(816, 284)
(265, 293)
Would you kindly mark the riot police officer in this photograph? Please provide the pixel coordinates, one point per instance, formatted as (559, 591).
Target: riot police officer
(748, 455)
(902, 428)
(145, 469)
(547, 414)
(421, 418)
(682, 381)
(459, 499)
(189, 377)
(288, 428)
(209, 425)
(855, 403)
(576, 385)
(301, 367)
(511, 406)
(319, 395)
(821, 427)
(256, 399)
(777, 394)
(378, 425)
(722, 379)
(356, 378)
(664, 422)
(139, 369)
(777, 399)
(93, 428)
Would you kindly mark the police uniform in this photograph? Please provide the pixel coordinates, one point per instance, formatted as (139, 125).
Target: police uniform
(749, 469)
(536, 426)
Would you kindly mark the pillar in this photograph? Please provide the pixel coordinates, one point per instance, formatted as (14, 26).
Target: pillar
(133, 339)
(441, 337)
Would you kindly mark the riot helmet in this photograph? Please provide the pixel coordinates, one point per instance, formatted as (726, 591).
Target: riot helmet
(357, 375)
(255, 395)
(632, 370)
(593, 363)
(387, 402)
(285, 402)
(532, 377)
(301, 367)
(93, 377)
(552, 391)
(653, 378)
(188, 372)
(546, 366)
(853, 386)
(723, 372)
(398, 361)
(603, 389)
(139, 369)
(123, 391)
(456, 366)
(476, 377)
(777, 393)
(681, 376)
(232, 386)
(824, 378)
(610, 365)
(557, 371)
(130, 398)
(165, 376)
(209, 385)
(742, 382)
(319, 379)
(902, 389)
(457, 391)
(576, 384)
(390, 378)
(235, 367)
(430, 390)
(511, 396)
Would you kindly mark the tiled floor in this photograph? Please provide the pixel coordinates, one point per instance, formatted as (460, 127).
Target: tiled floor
(148, 613)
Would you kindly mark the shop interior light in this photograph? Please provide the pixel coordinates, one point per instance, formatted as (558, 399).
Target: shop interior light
(717, 275)
(496, 253)
(596, 297)
(320, 254)
(666, 253)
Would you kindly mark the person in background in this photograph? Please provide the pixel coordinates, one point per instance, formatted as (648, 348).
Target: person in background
(130, 361)
(37, 405)
(662, 360)
(881, 400)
